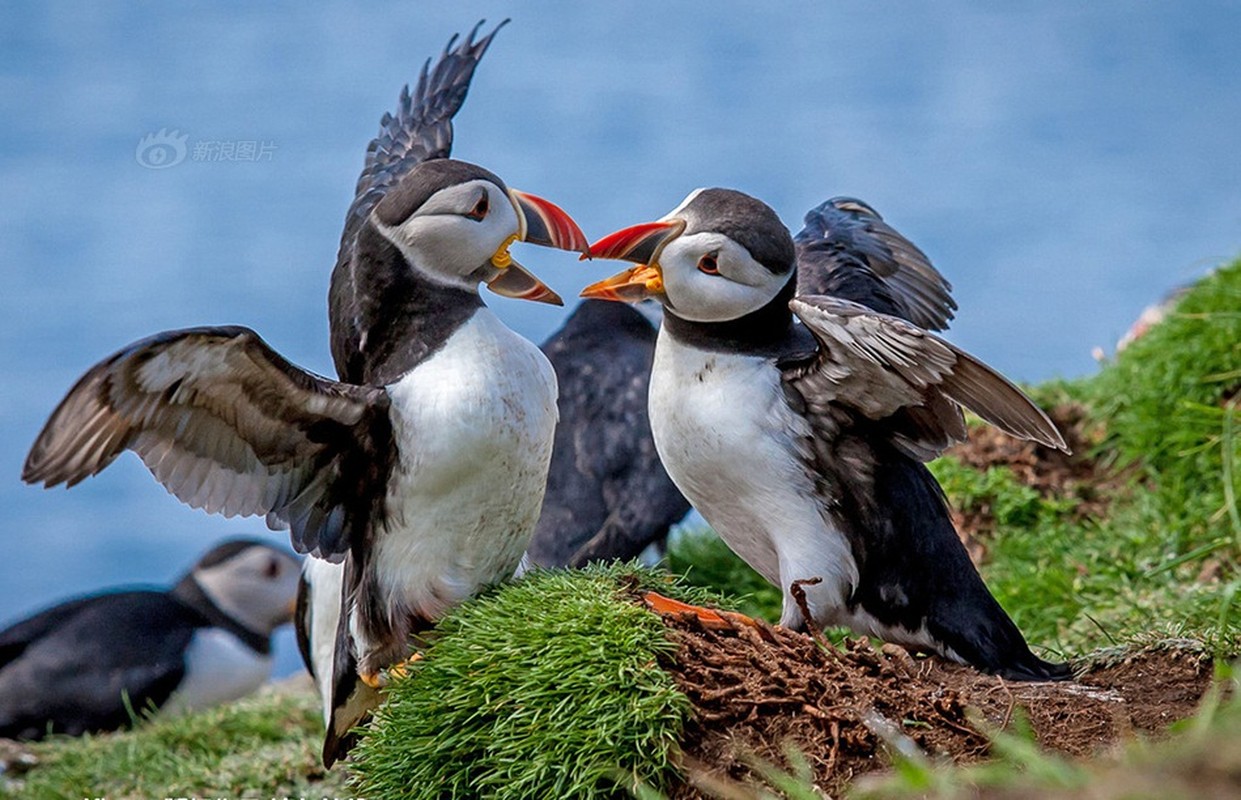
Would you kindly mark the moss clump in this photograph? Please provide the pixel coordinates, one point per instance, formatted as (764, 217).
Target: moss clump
(266, 745)
(549, 687)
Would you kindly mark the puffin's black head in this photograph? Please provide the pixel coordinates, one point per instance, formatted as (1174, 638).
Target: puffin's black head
(454, 223)
(718, 256)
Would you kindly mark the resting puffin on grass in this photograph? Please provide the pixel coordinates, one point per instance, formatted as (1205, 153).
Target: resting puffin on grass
(422, 470)
(798, 425)
(88, 664)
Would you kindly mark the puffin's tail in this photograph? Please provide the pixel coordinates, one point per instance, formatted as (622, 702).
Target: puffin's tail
(917, 572)
(352, 702)
(352, 699)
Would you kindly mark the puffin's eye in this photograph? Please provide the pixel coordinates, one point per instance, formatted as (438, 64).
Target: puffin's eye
(708, 264)
(480, 208)
(272, 569)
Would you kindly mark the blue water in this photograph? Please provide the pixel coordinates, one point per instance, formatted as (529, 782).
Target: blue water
(1063, 163)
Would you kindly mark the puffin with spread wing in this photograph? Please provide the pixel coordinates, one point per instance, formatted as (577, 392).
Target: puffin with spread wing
(421, 471)
(798, 424)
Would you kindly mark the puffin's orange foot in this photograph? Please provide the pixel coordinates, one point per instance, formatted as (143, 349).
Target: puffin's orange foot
(401, 668)
(708, 617)
(380, 680)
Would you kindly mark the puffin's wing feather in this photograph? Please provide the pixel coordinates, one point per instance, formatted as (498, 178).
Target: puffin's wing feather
(846, 250)
(225, 424)
(884, 368)
(420, 130)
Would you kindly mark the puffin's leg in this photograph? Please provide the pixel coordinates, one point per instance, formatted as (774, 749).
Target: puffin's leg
(708, 617)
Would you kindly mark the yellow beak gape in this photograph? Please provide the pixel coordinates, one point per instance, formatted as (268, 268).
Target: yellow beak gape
(501, 259)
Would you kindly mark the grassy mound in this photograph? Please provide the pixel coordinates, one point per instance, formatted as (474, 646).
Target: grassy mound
(547, 688)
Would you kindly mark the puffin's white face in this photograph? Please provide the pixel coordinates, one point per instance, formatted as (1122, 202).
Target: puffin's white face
(457, 232)
(257, 586)
(688, 263)
(710, 278)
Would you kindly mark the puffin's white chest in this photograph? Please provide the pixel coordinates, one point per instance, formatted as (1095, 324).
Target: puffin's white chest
(219, 667)
(727, 437)
(474, 426)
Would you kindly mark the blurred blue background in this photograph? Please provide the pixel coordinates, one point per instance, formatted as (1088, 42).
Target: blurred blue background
(1062, 163)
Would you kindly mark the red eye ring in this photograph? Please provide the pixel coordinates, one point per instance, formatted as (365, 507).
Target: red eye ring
(480, 209)
(708, 264)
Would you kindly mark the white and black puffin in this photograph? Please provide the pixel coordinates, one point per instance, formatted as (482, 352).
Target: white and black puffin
(798, 425)
(423, 469)
(88, 664)
(608, 496)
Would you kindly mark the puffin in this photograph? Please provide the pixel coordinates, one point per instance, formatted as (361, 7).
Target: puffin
(799, 424)
(608, 495)
(95, 663)
(421, 472)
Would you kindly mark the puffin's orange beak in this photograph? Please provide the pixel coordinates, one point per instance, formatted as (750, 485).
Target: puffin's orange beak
(641, 243)
(631, 286)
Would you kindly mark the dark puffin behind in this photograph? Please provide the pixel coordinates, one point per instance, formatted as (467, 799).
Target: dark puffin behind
(608, 495)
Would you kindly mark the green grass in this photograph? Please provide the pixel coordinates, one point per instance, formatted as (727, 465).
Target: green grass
(548, 688)
(1172, 402)
(264, 746)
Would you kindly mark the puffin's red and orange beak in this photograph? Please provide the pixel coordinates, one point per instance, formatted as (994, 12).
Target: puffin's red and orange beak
(545, 223)
(643, 244)
(638, 243)
(519, 283)
(540, 222)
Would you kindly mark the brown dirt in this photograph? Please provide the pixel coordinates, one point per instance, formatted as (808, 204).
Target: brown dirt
(758, 690)
(1053, 473)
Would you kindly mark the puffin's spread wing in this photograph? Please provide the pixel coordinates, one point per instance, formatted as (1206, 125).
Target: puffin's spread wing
(846, 250)
(227, 425)
(420, 130)
(884, 368)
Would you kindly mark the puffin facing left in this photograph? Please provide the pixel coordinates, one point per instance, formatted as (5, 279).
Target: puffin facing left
(422, 471)
(73, 669)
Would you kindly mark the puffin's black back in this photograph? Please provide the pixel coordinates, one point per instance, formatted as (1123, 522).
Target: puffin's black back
(608, 495)
(71, 667)
(914, 569)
